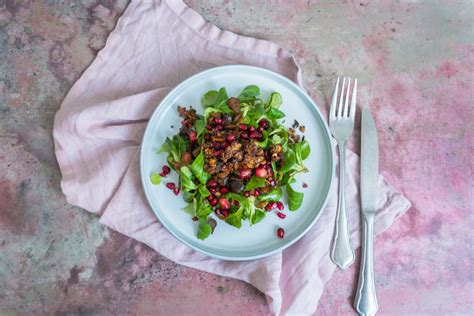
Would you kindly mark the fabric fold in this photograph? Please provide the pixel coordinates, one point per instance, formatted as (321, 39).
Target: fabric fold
(98, 129)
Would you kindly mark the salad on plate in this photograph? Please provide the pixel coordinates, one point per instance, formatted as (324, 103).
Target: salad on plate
(235, 160)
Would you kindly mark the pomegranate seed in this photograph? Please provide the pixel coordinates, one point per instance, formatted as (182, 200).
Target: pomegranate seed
(230, 138)
(166, 169)
(270, 206)
(243, 127)
(245, 173)
(280, 232)
(236, 203)
(263, 123)
(213, 190)
(273, 183)
(281, 215)
(176, 191)
(305, 185)
(225, 213)
(192, 136)
(256, 193)
(218, 120)
(225, 145)
(210, 197)
(261, 172)
(251, 128)
(213, 202)
(253, 135)
(162, 174)
(247, 193)
(244, 135)
(223, 190)
(216, 152)
(218, 212)
(216, 145)
(211, 183)
(219, 127)
(260, 129)
(170, 185)
(224, 203)
(280, 206)
(209, 127)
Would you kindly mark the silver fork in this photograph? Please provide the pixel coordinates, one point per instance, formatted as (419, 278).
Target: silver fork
(341, 123)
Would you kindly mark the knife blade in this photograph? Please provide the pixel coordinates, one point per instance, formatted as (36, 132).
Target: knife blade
(366, 297)
(369, 165)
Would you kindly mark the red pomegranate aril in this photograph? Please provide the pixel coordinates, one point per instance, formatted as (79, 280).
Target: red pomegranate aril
(244, 135)
(281, 215)
(260, 129)
(216, 145)
(247, 193)
(251, 128)
(256, 193)
(212, 183)
(223, 190)
(218, 120)
(236, 203)
(170, 185)
(225, 145)
(210, 197)
(280, 206)
(176, 191)
(213, 190)
(218, 212)
(243, 127)
(280, 232)
(261, 172)
(219, 127)
(263, 123)
(230, 138)
(224, 213)
(192, 136)
(216, 153)
(224, 203)
(208, 127)
(253, 134)
(166, 169)
(213, 202)
(245, 173)
(162, 174)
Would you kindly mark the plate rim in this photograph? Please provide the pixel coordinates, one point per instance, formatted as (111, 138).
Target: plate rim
(331, 156)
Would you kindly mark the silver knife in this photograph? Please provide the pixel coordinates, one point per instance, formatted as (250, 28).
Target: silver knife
(366, 299)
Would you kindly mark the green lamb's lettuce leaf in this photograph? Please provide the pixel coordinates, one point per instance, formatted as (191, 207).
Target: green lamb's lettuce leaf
(204, 191)
(214, 98)
(264, 142)
(302, 149)
(235, 219)
(294, 198)
(191, 208)
(249, 93)
(197, 167)
(274, 101)
(187, 179)
(289, 160)
(275, 114)
(188, 197)
(155, 178)
(200, 126)
(175, 147)
(255, 182)
(257, 216)
(273, 196)
(204, 230)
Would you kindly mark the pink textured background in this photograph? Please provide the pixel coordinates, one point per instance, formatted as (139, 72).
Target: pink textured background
(415, 65)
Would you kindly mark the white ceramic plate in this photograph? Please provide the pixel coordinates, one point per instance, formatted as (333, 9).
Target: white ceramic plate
(248, 242)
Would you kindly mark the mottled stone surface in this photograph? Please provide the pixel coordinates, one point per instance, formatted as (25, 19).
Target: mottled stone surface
(415, 64)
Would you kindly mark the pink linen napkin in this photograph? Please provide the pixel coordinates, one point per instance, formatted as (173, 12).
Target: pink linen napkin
(98, 129)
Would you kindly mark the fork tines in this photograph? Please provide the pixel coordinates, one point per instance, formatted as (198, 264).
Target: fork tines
(341, 108)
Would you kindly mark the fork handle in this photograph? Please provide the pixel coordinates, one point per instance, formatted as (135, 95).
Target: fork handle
(342, 253)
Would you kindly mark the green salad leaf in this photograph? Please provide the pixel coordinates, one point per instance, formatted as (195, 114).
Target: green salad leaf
(187, 179)
(197, 167)
(294, 198)
(273, 196)
(249, 93)
(274, 101)
(155, 178)
(204, 230)
(255, 182)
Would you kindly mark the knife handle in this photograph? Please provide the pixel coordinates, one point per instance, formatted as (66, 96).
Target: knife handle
(342, 253)
(366, 298)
